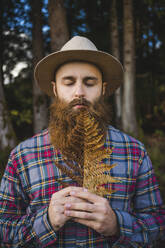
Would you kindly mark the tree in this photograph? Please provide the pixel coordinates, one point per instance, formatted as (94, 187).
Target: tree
(116, 52)
(8, 139)
(40, 112)
(129, 122)
(59, 33)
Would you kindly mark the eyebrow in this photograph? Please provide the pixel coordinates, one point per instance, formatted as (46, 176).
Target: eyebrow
(91, 78)
(85, 78)
(68, 77)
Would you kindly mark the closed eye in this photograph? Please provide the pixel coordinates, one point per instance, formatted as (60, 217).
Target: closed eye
(69, 80)
(89, 82)
(68, 83)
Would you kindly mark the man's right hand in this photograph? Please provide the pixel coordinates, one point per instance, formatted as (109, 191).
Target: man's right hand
(56, 209)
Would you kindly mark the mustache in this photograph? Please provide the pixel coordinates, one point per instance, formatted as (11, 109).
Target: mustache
(79, 101)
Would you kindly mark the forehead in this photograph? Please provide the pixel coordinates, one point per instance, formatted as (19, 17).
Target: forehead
(76, 67)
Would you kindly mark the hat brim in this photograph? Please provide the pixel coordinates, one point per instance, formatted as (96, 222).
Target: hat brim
(110, 67)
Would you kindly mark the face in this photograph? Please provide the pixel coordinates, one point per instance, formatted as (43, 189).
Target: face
(78, 80)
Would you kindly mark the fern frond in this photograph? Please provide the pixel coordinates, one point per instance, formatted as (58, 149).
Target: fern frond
(88, 151)
(70, 173)
(100, 169)
(60, 181)
(75, 168)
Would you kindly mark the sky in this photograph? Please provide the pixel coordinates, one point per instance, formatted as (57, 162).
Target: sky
(15, 72)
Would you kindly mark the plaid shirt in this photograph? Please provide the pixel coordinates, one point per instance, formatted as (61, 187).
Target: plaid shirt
(30, 180)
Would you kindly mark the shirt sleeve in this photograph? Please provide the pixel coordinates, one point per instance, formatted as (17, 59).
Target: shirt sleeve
(20, 227)
(146, 223)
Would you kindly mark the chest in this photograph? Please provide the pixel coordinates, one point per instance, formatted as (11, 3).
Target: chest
(41, 177)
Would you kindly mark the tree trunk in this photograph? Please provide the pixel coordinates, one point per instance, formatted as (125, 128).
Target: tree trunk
(116, 53)
(40, 110)
(129, 122)
(58, 24)
(8, 138)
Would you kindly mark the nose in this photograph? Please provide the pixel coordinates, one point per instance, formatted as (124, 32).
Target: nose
(79, 91)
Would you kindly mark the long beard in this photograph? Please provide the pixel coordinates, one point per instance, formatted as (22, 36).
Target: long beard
(63, 122)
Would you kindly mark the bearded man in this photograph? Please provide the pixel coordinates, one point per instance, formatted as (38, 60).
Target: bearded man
(44, 198)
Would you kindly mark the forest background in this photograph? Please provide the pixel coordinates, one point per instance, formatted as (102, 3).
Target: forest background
(133, 31)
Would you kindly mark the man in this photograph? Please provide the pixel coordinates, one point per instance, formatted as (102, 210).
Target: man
(43, 202)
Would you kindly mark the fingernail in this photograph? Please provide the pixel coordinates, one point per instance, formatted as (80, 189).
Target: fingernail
(67, 205)
(84, 189)
(72, 193)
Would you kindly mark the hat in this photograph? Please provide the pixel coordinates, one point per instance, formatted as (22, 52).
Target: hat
(78, 49)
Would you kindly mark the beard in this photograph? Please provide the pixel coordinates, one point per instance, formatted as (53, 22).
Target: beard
(64, 120)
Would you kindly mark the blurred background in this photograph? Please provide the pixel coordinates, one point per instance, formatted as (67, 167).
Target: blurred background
(133, 31)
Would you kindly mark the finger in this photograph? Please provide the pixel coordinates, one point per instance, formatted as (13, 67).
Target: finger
(86, 195)
(64, 192)
(72, 200)
(61, 200)
(79, 214)
(59, 209)
(81, 206)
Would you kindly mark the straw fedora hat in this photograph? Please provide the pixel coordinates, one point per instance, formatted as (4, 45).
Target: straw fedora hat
(78, 49)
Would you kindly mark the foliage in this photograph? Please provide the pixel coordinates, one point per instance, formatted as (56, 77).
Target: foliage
(19, 98)
(15, 44)
(88, 151)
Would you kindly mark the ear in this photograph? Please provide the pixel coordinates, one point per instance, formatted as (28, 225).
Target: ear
(104, 87)
(54, 88)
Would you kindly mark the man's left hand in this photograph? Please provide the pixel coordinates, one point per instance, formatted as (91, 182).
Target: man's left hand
(95, 213)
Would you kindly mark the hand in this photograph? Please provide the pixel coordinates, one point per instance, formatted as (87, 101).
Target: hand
(56, 214)
(95, 212)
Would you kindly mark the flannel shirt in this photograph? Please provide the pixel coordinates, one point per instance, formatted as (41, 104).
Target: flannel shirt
(30, 180)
